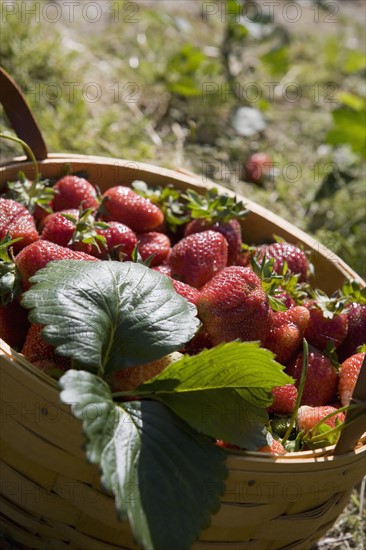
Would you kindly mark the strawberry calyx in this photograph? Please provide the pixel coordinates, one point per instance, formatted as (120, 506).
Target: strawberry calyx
(353, 292)
(276, 284)
(271, 281)
(330, 306)
(168, 199)
(214, 207)
(86, 228)
(10, 284)
(331, 353)
(137, 259)
(31, 193)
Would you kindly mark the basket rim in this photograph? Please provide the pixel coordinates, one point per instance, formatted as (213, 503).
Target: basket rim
(190, 178)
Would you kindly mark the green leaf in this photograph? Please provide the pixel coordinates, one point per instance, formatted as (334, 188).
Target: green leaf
(31, 193)
(348, 127)
(148, 457)
(223, 414)
(214, 207)
(353, 291)
(10, 283)
(92, 403)
(222, 392)
(354, 60)
(277, 60)
(354, 101)
(238, 365)
(109, 315)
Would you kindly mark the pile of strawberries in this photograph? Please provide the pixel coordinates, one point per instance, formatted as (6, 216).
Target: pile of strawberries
(241, 292)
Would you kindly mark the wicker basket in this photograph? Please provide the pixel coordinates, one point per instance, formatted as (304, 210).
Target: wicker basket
(51, 498)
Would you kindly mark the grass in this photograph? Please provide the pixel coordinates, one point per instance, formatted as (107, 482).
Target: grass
(160, 82)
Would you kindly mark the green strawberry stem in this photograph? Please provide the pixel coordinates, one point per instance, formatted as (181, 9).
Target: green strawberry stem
(29, 152)
(300, 390)
(338, 428)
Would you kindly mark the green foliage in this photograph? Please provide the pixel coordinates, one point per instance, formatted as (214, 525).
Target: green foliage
(10, 283)
(148, 456)
(349, 127)
(213, 206)
(137, 315)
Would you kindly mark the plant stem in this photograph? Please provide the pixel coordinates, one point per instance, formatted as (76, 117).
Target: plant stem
(339, 428)
(305, 361)
(28, 151)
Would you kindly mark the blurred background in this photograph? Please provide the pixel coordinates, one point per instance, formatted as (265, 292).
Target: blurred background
(204, 86)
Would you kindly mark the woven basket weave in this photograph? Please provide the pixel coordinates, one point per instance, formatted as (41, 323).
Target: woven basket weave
(52, 499)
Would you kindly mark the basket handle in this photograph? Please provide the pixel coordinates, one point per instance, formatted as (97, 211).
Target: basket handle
(20, 115)
(355, 424)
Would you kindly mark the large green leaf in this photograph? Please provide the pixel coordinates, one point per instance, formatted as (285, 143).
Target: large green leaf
(348, 127)
(222, 392)
(167, 479)
(222, 414)
(91, 401)
(238, 365)
(109, 315)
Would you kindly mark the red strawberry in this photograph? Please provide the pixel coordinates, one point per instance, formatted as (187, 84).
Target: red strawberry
(58, 229)
(13, 324)
(16, 221)
(233, 306)
(321, 380)
(356, 335)
(308, 417)
(37, 255)
(73, 192)
(322, 329)
(154, 243)
(231, 230)
(129, 378)
(38, 352)
(199, 342)
(165, 269)
(348, 374)
(287, 330)
(120, 242)
(123, 205)
(257, 167)
(285, 252)
(243, 258)
(275, 448)
(198, 257)
(284, 399)
(188, 292)
(215, 212)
